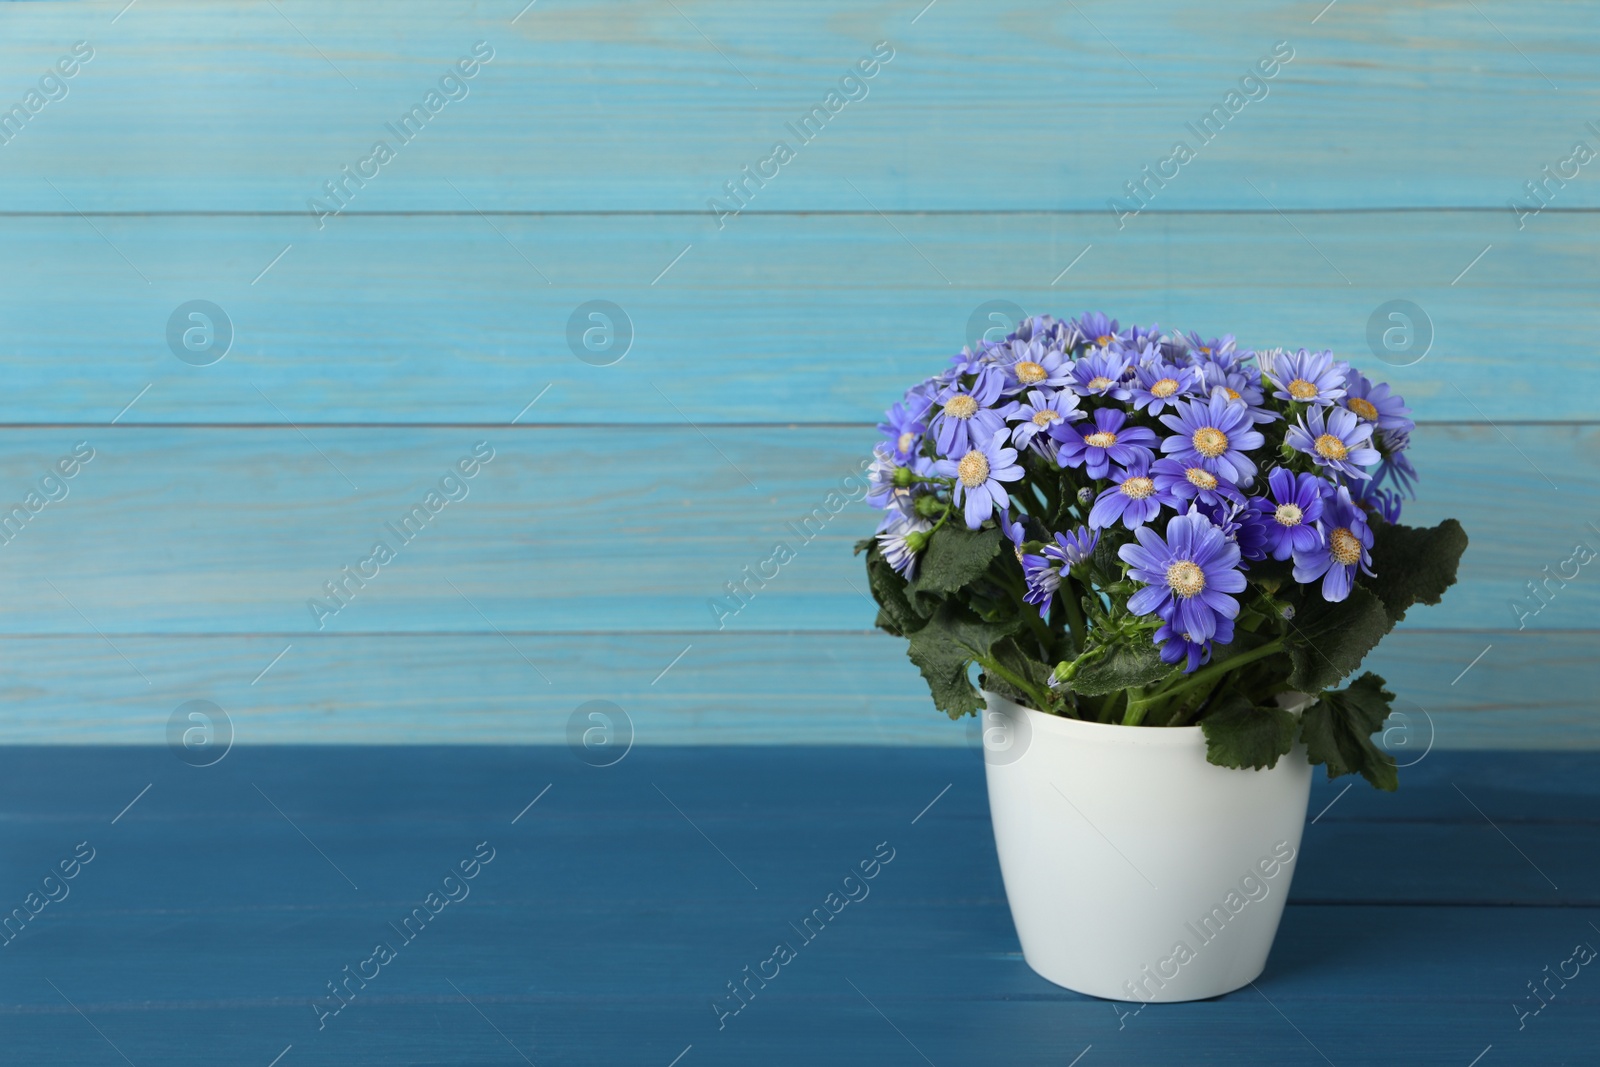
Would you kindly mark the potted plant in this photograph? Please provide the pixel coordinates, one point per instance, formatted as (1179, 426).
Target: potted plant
(1163, 554)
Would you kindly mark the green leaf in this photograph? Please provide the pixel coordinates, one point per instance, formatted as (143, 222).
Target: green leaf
(954, 557)
(1414, 565)
(1338, 731)
(945, 647)
(1239, 734)
(895, 613)
(1328, 641)
(1112, 668)
(1010, 657)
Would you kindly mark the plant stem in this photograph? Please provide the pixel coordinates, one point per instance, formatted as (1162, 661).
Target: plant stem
(1069, 598)
(1018, 683)
(1138, 704)
(1134, 713)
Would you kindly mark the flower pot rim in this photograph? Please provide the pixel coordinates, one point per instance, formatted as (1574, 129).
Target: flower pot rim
(1117, 732)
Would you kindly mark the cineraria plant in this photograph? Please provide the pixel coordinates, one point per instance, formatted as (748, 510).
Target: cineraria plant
(1125, 526)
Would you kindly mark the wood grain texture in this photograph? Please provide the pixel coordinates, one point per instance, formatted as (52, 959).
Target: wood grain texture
(606, 923)
(195, 530)
(778, 319)
(840, 687)
(635, 106)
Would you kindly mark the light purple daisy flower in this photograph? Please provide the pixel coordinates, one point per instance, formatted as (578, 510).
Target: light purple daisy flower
(1385, 503)
(1393, 465)
(1158, 385)
(1043, 409)
(1109, 440)
(1188, 575)
(1242, 524)
(1042, 578)
(1242, 383)
(1102, 374)
(1177, 647)
(1335, 439)
(1292, 507)
(1098, 330)
(966, 416)
(1134, 498)
(1073, 547)
(1218, 349)
(1377, 403)
(904, 426)
(1307, 377)
(1346, 545)
(979, 474)
(1030, 365)
(1180, 482)
(900, 539)
(1214, 434)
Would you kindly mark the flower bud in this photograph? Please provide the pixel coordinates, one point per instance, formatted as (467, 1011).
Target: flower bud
(1288, 611)
(903, 477)
(929, 507)
(916, 540)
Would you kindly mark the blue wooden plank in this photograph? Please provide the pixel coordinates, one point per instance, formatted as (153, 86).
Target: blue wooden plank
(838, 687)
(787, 319)
(198, 531)
(605, 923)
(636, 106)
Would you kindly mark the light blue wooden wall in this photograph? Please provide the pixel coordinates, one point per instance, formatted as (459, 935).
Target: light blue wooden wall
(373, 351)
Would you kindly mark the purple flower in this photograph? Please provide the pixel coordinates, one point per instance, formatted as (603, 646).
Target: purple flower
(1292, 507)
(1385, 502)
(1176, 645)
(1043, 578)
(1188, 575)
(1307, 377)
(1102, 374)
(1335, 439)
(1109, 440)
(900, 538)
(1158, 385)
(965, 416)
(1074, 547)
(1135, 498)
(1180, 482)
(1098, 330)
(1377, 403)
(978, 475)
(904, 425)
(1346, 541)
(1393, 464)
(1214, 434)
(1218, 348)
(1030, 365)
(1242, 524)
(1044, 409)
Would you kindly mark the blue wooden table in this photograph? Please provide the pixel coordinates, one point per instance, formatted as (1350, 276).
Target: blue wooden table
(608, 909)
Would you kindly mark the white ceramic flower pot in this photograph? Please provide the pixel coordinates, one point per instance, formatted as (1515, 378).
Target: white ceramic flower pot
(1135, 869)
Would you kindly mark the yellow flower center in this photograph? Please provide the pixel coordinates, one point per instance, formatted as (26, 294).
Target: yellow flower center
(1044, 418)
(1201, 478)
(1099, 381)
(1289, 515)
(1138, 488)
(1330, 447)
(1102, 439)
(961, 406)
(1104, 339)
(1363, 408)
(1301, 389)
(904, 443)
(973, 470)
(1029, 372)
(1344, 546)
(1185, 578)
(1164, 388)
(1210, 442)
(1233, 394)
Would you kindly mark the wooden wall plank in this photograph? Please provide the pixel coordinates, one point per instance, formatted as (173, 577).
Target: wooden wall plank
(193, 530)
(778, 319)
(626, 105)
(843, 687)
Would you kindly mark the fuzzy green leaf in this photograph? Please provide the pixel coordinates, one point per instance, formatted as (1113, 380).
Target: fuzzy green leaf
(1241, 735)
(895, 613)
(954, 557)
(943, 650)
(1328, 641)
(1338, 731)
(1112, 668)
(1413, 564)
(1010, 657)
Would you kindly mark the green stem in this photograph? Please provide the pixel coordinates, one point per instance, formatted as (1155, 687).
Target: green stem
(1133, 714)
(1017, 683)
(1137, 705)
(1075, 623)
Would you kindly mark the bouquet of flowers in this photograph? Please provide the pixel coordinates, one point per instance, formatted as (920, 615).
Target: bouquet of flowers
(1129, 526)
